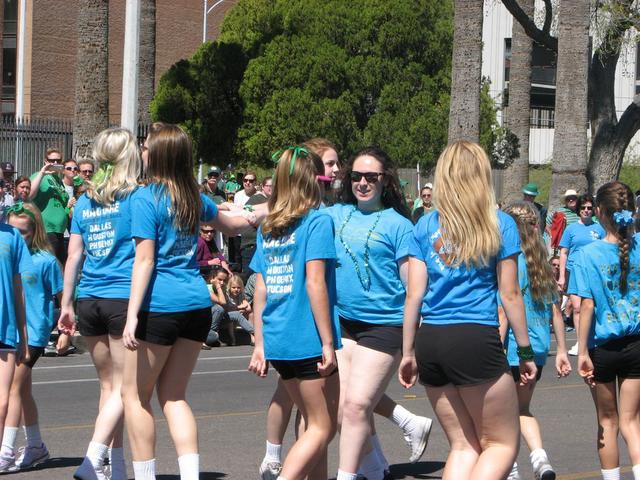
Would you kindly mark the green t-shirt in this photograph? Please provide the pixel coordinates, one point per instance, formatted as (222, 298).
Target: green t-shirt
(52, 200)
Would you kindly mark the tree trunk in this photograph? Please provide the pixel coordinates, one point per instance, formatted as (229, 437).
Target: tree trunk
(569, 163)
(519, 109)
(92, 80)
(464, 113)
(146, 82)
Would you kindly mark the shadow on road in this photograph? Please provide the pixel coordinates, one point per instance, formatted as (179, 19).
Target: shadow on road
(203, 476)
(416, 470)
(58, 462)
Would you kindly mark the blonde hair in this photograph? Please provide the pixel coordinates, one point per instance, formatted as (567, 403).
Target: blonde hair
(115, 147)
(171, 168)
(540, 273)
(294, 192)
(39, 239)
(463, 195)
(235, 280)
(320, 145)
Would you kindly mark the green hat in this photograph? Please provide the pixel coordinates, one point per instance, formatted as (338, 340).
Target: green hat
(531, 189)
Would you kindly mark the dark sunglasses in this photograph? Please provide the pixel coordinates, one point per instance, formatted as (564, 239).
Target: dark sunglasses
(250, 180)
(213, 175)
(586, 208)
(206, 231)
(370, 177)
(54, 160)
(86, 172)
(71, 169)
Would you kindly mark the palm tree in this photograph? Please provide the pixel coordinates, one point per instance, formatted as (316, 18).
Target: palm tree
(569, 165)
(518, 112)
(464, 113)
(146, 79)
(92, 80)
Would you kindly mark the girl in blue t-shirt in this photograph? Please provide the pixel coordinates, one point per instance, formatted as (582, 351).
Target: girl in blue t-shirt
(539, 290)
(169, 310)
(606, 276)
(40, 285)
(575, 237)
(461, 255)
(100, 244)
(295, 293)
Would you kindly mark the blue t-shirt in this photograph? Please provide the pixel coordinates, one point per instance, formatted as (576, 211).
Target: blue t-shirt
(596, 275)
(577, 235)
(176, 284)
(289, 328)
(14, 260)
(40, 285)
(383, 303)
(538, 321)
(460, 294)
(110, 250)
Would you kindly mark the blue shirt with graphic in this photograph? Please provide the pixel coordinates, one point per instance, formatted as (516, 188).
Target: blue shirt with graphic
(596, 275)
(460, 294)
(383, 302)
(40, 285)
(176, 284)
(538, 316)
(110, 250)
(577, 235)
(289, 328)
(14, 260)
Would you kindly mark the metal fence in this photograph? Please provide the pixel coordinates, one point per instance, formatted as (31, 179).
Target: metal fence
(24, 142)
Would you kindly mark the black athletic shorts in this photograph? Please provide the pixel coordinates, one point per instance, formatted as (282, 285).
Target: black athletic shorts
(382, 338)
(619, 357)
(164, 328)
(515, 373)
(306, 369)
(34, 354)
(461, 354)
(102, 316)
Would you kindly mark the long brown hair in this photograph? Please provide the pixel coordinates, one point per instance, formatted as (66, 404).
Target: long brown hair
(613, 197)
(295, 191)
(171, 168)
(540, 273)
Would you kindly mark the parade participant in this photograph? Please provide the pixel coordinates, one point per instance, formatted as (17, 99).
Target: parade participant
(606, 276)
(541, 303)
(295, 292)
(40, 286)
(101, 237)
(456, 268)
(163, 336)
(372, 242)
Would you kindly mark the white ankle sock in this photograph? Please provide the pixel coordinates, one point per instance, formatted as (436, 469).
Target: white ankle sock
(118, 466)
(636, 472)
(96, 453)
(611, 474)
(375, 441)
(32, 432)
(9, 439)
(345, 476)
(273, 453)
(401, 416)
(536, 456)
(189, 466)
(145, 470)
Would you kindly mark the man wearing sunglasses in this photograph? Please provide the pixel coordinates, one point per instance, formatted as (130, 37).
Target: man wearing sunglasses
(212, 186)
(86, 168)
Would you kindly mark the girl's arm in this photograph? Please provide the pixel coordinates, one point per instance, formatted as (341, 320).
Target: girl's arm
(562, 278)
(403, 270)
(563, 366)
(67, 320)
(143, 267)
(218, 295)
(503, 324)
(511, 296)
(585, 365)
(258, 364)
(319, 300)
(22, 355)
(417, 286)
(233, 223)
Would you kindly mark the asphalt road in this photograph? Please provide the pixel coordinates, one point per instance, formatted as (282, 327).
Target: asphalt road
(230, 404)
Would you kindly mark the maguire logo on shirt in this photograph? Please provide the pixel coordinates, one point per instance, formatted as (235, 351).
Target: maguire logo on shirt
(278, 258)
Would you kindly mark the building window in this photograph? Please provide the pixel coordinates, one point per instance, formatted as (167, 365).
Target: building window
(9, 56)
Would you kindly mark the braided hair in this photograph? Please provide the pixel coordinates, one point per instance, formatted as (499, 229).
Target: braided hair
(612, 198)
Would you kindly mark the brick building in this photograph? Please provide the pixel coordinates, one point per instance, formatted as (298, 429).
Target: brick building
(51, 41)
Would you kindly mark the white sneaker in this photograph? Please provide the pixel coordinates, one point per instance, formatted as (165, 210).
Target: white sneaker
(543, 470)
(418, 437)
(573, 351)
(86, 471)
(32, 456)
(270, 470)
(514, 474)
(7, 462)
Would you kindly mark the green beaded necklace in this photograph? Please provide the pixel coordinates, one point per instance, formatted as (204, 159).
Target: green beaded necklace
(366, 281)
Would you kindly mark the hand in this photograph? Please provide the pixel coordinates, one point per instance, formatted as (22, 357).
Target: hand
(528, 372)
(250, 217)
(561, 283)
(129, 333)
(408, 371)
(215, 261)
(585, 369)
(72, 202)
(563, 366)
(67, 321)
(22, 353)
(258, 364)
(47, 168)
(329, 362)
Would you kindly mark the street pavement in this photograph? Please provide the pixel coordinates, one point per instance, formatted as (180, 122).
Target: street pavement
(229, 405)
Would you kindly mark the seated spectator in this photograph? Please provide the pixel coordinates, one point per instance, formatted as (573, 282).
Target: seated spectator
(208, 254)
(22, 189)
(237, 306)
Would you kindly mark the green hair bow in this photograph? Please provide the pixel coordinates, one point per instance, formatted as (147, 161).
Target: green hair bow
(295, 152)
(18, 209)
